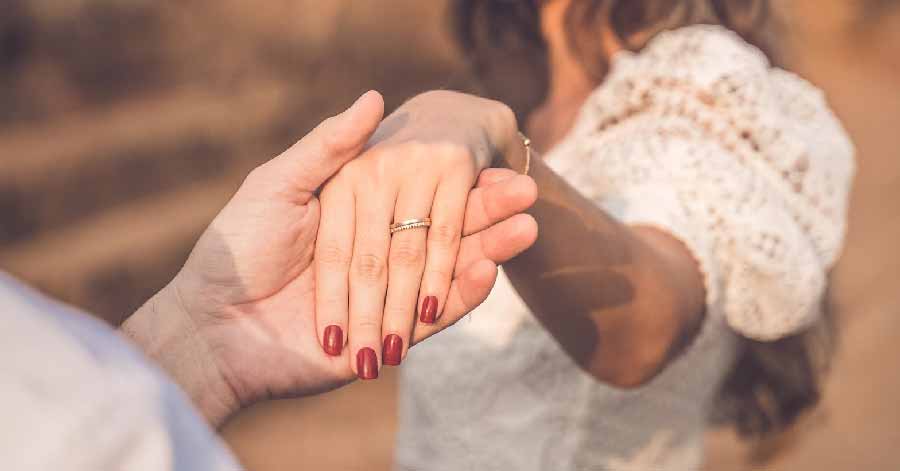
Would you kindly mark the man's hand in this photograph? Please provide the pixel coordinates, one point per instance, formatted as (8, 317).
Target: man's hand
(237, 324)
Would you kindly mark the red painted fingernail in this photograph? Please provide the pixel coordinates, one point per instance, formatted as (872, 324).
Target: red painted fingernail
(366, 364)
(429, 310)
(393, 350)
(333, 340)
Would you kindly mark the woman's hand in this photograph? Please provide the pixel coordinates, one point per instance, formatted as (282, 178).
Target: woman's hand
(237, 324)
(421, 163)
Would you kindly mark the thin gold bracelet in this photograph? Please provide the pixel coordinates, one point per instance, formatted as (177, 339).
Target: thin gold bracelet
(527, 143)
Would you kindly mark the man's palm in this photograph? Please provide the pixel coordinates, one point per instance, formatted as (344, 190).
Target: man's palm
(251, 276)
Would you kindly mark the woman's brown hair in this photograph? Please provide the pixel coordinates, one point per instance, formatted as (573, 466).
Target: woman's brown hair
(772, 383)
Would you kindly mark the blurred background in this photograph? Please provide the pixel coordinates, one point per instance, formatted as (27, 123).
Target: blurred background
(126, 124)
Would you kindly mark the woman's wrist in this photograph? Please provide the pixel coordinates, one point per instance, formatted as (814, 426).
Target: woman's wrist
(510, 149)
(517, 155)
(496, 143)
(165, 332)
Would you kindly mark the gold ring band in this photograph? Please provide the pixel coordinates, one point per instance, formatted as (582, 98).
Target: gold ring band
(410, 224)
(527, 143)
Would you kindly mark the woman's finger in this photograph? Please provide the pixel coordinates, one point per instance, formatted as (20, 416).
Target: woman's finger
(368, 275)
(406, 262)
(469, 290)
(334, 250)
(447, 213)
(479, 255)
(491, 203)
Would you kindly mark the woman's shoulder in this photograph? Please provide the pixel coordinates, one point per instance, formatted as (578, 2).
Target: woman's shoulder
(709, 75)
(699, 53)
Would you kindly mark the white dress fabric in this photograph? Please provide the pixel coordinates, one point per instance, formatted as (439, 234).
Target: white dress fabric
(698, 136)
(74, 396)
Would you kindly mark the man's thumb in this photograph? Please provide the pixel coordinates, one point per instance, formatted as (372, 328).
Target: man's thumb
(334, 142)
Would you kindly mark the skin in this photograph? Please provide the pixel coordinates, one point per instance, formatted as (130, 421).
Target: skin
(622, 301)
(420, 163)
(237, 324)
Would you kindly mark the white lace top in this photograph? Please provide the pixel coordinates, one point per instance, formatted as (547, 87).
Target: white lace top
(699, 136)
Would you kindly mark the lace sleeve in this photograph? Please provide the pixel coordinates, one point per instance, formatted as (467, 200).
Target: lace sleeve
(743, 163)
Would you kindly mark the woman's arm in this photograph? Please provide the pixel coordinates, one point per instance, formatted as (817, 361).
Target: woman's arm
(621, 300)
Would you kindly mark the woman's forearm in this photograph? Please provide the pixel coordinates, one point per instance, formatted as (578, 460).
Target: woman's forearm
(620, 300)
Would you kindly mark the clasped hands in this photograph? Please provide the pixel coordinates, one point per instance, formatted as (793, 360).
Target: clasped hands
(298, 286)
